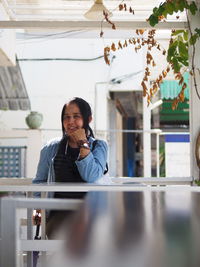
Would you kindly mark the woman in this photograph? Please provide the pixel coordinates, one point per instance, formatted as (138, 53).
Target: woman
(77, 157)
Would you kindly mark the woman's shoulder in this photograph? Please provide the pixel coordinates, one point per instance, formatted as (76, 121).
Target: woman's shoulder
(52, 143)
(97, 141)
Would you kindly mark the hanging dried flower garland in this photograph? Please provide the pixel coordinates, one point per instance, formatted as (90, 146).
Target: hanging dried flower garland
(177, 53)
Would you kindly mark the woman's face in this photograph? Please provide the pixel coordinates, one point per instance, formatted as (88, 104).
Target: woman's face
(72, 119)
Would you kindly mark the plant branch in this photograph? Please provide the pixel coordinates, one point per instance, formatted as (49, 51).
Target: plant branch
(177, 53)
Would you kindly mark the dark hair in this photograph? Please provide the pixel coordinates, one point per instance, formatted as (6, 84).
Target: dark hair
(86, 113)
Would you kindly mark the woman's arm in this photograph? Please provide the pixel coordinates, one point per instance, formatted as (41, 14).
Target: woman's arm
(46, 155)
(43, 167)
(93, 165)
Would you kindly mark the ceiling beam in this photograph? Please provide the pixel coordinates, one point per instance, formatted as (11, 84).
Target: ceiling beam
(92, 25)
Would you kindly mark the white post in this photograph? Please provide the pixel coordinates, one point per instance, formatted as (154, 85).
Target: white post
(158, 154)
(112, 140)
(194, 100)
(146, 139)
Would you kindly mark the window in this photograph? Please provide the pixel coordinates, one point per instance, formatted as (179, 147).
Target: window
(12, 161)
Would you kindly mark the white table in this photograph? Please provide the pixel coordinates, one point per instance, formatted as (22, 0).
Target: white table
(141, 227)
(147, 227)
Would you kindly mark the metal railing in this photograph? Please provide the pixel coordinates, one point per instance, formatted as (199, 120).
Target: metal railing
(156, 136)
(158, 133)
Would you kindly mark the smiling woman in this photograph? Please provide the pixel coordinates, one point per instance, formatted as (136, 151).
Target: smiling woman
(74, 157)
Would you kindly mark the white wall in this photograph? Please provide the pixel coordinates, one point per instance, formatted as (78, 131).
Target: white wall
(51, 83)
(7, 42)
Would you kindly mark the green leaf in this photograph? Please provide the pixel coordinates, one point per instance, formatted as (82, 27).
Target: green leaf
(183, 58)
(187, 5)
(160, 11)
(193, 8)
(155, 10)
(165, 13)
(197, 182)
(162, 7)
(197, 31)
(185, 35)
(176, 7)
(181, 6)
(193, 39)
(177, 32)
(172, 51)
(182, 49)
(170, 8)
(176, 65)
(153, 20)
(183, 61)
(180, 38)
(174, 44)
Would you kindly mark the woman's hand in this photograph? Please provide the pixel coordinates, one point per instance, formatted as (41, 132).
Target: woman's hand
(78, 135)
(37, 217)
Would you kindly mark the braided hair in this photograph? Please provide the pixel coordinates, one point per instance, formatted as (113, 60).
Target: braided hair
(86, 113)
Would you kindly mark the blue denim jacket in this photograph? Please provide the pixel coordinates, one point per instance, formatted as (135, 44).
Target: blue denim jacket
(91, 168)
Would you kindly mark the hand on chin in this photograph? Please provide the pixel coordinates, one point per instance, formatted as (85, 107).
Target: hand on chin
(78, 134)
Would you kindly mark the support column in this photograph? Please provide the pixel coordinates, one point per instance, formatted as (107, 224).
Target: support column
(112, 139)
(194, 100)
(100, 107)
(146, 139)
(8, 248)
